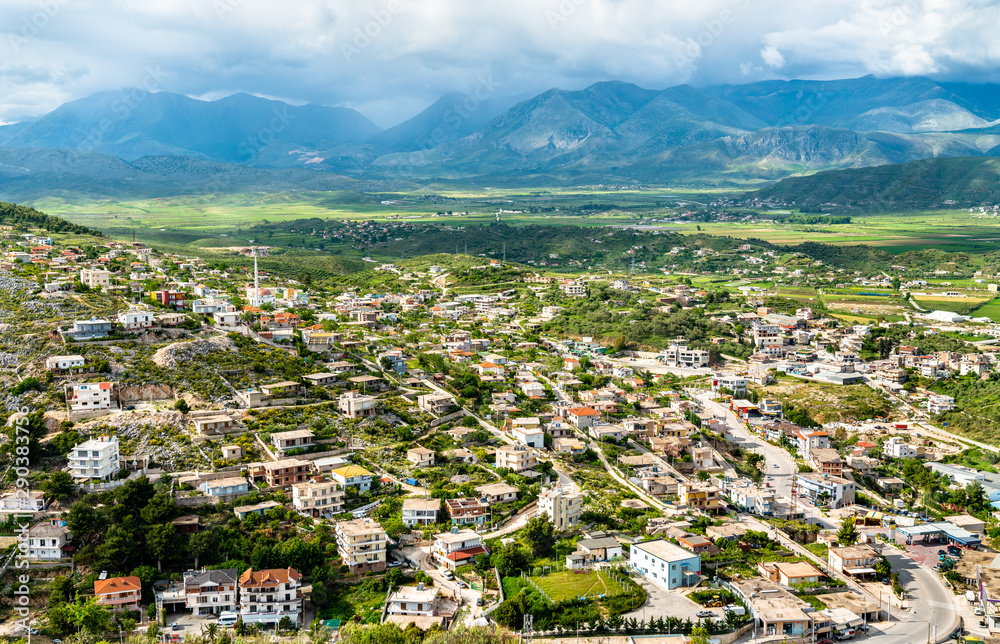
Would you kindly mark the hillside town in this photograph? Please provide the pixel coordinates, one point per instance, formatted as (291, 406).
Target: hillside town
(196, 447)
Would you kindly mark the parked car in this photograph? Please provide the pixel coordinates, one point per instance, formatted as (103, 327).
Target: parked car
(479, 601)
(395, 564)
(175, 626)
(705, 614)
(461, 584)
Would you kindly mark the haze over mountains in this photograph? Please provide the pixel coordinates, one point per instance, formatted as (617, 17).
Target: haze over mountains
(609, 132)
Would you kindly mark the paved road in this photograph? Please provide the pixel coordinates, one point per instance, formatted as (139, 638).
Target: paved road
(450, 588)
(929, 604)
(779, 477)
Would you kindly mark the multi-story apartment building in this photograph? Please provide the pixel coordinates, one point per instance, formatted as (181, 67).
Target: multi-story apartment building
(266, 596)
(353, 476)
(211, 592)
(286, 472)
(516, 458)
(173, 299)
(467, 510)
(94, 396)
(835, 490)
(318, 498)
(97, 458)
(707, 498)
(355, 405)
(452, 549)
(563, 506)
(95, 277)
(362, 545)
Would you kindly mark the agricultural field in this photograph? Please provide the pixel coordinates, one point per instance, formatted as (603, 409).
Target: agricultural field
(950, 230)
(213, 220)
(961, 305)
(570, 584)
(988, 309)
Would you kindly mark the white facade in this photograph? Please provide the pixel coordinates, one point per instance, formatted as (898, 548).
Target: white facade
(97, 458)
(665, 564)
(839, 491)
(420, 511)
(940, 404)
(46, 541)
(63, 363)
(90, 397)
(897, 447)
(135, 320)
(318, 498)
(563, 506)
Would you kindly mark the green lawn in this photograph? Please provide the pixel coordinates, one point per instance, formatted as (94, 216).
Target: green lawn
(989, 309)
(561, 586)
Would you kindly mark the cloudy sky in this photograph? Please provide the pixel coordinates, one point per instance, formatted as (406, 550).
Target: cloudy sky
(391, 58)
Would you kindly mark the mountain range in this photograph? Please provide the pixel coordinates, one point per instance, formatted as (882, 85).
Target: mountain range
(609, 132)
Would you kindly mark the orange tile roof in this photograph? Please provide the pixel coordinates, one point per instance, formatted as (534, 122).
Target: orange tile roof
(271, 577)
(116, 585)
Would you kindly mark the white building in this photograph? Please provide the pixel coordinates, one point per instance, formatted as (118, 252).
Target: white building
(135, 320)
(420, 511)
(46, 541)
(897, 447)
(97, 458)
(665, 564)
(681, 355)
(940, 404)
(318, 498)
(413, 601)
(735, 384)
(64, 363)
(95, 277)
(267, 596)
(90, 397)
(211, 592)
(838, 491)
(563, 506)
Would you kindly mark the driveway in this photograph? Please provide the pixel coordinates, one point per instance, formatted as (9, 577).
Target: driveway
(664, 602)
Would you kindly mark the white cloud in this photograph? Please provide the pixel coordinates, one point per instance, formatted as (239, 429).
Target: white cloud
(388, 58)
(772, 57)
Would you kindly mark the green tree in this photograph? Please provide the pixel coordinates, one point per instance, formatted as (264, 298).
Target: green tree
(59, 486)
(91, 617)
(83, 520)
(163, 543)
(160, 508)
(509, 559)
(848, 534)
(538, 533)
